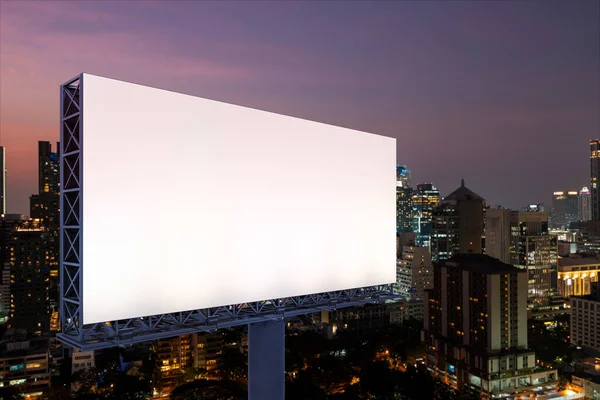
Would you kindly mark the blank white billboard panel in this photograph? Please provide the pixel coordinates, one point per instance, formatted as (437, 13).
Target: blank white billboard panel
(191, 203)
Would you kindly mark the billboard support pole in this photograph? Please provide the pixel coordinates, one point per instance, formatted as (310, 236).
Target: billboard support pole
(266, 360)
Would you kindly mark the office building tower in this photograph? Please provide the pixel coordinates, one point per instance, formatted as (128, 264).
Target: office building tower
(498, 234)
(2, 180)
(585, 204)
(405, 221)
(522, 239)
(585, 319)
(8, 222)
(595, 177)
(475, 328)
(425, 199)
(45, 207)
(414, 272)
(457, 224)
(29, 275)
(48, 168)
(403, 176)
(565, 209)
(536, 251)
(576, 275)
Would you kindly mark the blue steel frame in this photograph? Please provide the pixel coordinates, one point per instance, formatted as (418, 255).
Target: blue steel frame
(148, 328)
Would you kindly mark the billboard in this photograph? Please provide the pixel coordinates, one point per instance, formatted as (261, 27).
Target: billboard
(190, 203)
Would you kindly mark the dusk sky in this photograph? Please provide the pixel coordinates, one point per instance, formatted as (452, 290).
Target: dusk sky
(505, 94)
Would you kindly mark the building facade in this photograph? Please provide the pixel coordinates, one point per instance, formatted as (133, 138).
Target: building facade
(30, 278)
(425, 199)
(585, 320)
(565, 209)
(25, 364)
(45, 207)
(576, 275)
(585, 204)
(457, 224)
(2, 180)
(595, 177)
(498, 234)
(414, 272)
(475, 328)
(536, 251)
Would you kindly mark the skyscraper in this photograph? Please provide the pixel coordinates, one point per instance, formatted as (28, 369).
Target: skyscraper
(522, 239)
(595, 176)
(2, 180)
(404, 201)
(498, 239)
(457, 224)
(29, 274)
(45, 207)
(425, 200)
(585, 204)
(565, 209)
(475, 328)
(403, 176)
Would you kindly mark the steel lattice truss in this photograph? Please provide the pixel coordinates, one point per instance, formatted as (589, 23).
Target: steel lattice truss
(148, 328)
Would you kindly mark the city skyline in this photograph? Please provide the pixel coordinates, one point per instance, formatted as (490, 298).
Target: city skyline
(459, 72)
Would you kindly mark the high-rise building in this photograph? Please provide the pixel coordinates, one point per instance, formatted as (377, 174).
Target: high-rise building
(585, 319)
(457, 224)
(565, 209)
(29, 275)
(2, 180)
(536, 251)
(595, 177)
(403, 176)
(522, 239)
(498, 234)
(8, 222)
(405, 216)
(48, 168)
(45, 207)
(585, 204)
(425, 199)
(475, 328)
(414, 272)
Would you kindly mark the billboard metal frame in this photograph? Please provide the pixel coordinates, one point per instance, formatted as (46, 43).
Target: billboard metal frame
(147, 328)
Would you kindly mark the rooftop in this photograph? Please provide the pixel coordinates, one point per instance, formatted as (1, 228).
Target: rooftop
(481, 263)
(463, 193)
(574, 261)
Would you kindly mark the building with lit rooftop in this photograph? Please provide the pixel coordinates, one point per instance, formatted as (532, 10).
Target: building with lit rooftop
(576, 274)
(585, 319)
(29, 277)
(585, 204)
(565, 209)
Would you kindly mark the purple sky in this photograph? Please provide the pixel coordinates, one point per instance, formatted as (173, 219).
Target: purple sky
(506, 94)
